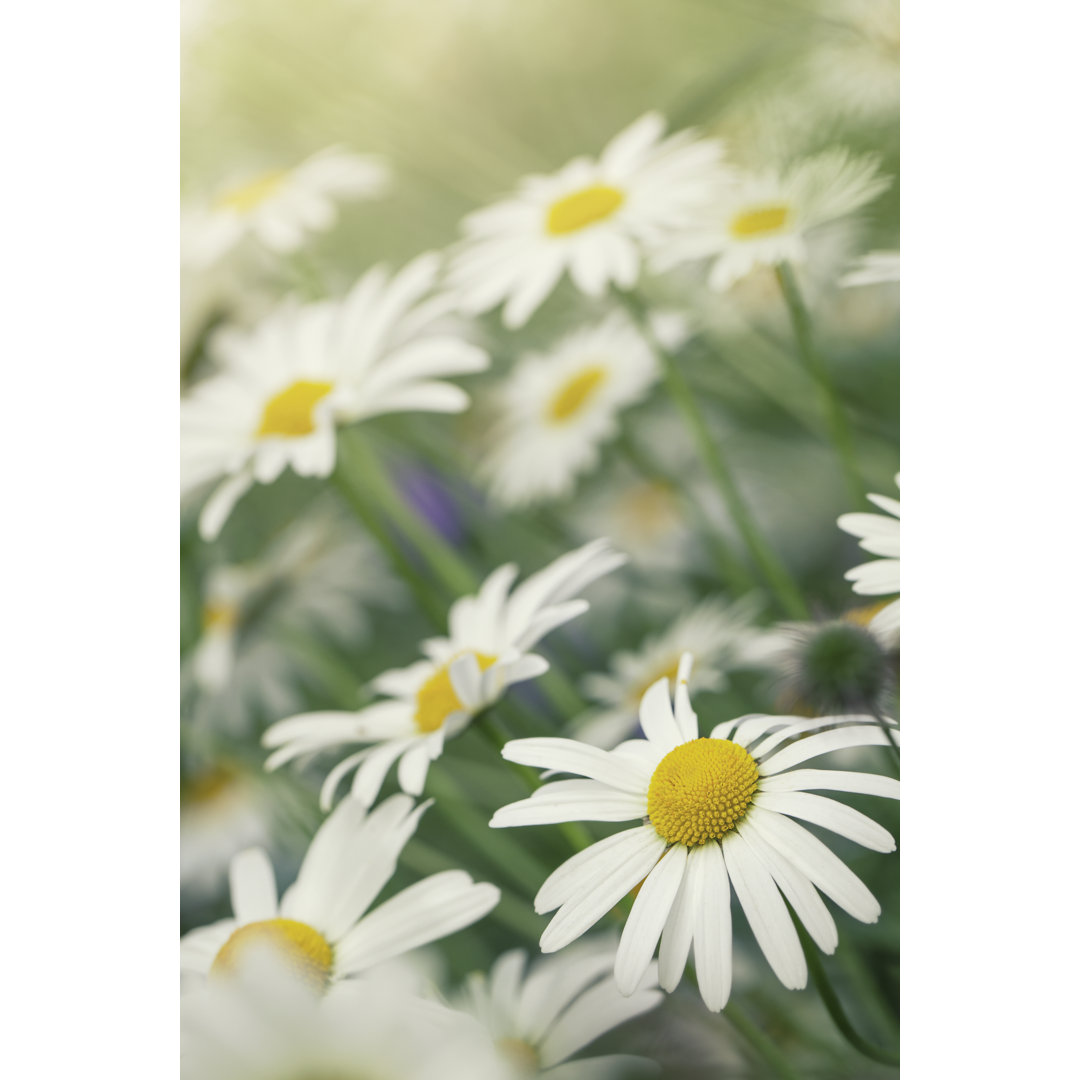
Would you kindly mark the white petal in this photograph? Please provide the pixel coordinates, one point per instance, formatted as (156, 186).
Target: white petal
(829, 814)
(220, 505)
(647, 919)
(413, 769)
(580, 870)
(766, 912)
(833, 780)
(657, 717)
(685, 716)
(566, 755)
(707, 879)
(571, 800)
(252, 886)
(826, 742)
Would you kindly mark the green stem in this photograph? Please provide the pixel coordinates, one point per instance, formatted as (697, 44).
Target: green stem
(787, 591)
(833, 1006)
(761, 1043)
(816, 364)
(369, 516)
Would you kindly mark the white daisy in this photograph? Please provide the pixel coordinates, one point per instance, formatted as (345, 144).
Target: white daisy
(874, 268)
(322, 927)
(762, 219)
(280, 208)
(222, 811)
(434, 699)
(541, 1019)
(716, 813)
(720, 636)
(555, 411)
(267, 1025)
(590, 219)
(287, 383)
(880, 535)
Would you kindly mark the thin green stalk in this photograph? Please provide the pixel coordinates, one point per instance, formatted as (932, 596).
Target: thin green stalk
(782, 583)
(833, 1005)
(447, 565)
(369, 516)
(762, 1044)
(835, 417)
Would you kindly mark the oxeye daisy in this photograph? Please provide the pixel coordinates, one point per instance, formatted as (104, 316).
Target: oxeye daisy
(281, 207)
(717, 814)
(285, 385)
(543, 1016)
(487, 651)
(322, 928)
(590, 219)
(266, 1025)
(555, 411)
(720, 636)
(880, 535)
(762, 219)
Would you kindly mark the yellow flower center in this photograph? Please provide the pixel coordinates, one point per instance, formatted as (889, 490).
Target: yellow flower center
(763, 219)
(308, 954)
(574, 394)
(863, 616)
(254, 193)
(520, 1054)
(288, 414)
(206, 786)
(437, 698)
(670, 672)
(219, 616)
(583, 208)
(701, 790)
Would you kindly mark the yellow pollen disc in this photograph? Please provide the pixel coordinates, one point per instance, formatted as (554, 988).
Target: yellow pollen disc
(437, 698)
(765, 219)
(288, 413)
(583, 208)
(308, 954)
(862, 616)
(701, 790)
(206, 786)
(250, 196)
(574, 394)
(220, 616)
(520, 1053)
(670, 672)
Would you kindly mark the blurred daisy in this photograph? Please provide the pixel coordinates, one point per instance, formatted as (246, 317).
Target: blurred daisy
(555, 411)
(280, 208)
(590, 219)
(541, 1019)
(269, 1026)
(762, 219)
(222, 811)
(285, 385)
(434, 699)
(880, 535)
(874, 268)
(319, 579)
(717, 813)
(855, 61)
(720, 636)
(322, 928)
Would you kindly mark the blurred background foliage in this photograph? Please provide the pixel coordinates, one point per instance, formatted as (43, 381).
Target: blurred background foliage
(462, 98)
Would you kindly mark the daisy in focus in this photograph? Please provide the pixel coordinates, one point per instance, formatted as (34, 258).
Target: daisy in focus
(487, 651)
(762, 219)
(878, 534)
(720, 636)
(322, 928)
(556, 411)
(285, 386)
(281, 208)
(541, 1019)
(717, 814)
(591, 220)
(267, 1025)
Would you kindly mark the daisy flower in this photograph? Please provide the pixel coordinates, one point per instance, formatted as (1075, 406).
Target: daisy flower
(285, 385)
(541, 1019)
(762, 219)
(717, 813)
(267, 1025)
(278, 209)
(874, 268)
(434, 699)
(591, 219)
(880, 535)
(720, 636)
(322, 928)
(555, 411)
